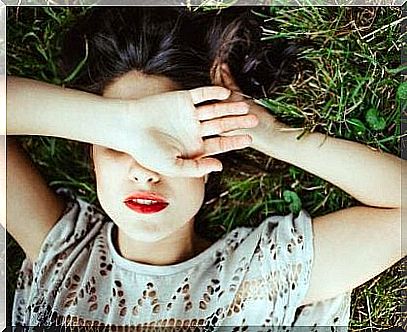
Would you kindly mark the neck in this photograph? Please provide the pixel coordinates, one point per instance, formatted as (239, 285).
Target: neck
(178, 247)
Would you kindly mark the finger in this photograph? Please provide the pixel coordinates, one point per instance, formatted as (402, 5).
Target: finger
(219, 110)
(219, 126)
(224, 144)
(197, 167)
(200, 95)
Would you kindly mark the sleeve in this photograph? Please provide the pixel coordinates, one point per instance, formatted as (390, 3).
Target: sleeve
(283, 259)
(333, 312)
(67, 238)
(70, 235)
(284, 256)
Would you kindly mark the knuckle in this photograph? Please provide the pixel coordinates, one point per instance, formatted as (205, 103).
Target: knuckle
(222, 143)
(217, 110)
(203, 93)
(223, 125)
(203, 113)
(197, 95)
(233, 124)
(212, 148)
(234, 142)
(214, 129)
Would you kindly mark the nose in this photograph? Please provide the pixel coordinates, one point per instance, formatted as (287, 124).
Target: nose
(141, 174)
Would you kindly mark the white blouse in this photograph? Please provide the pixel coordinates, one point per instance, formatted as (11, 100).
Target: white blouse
(250, 277)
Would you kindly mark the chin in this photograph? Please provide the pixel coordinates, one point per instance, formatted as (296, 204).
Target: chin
(148, 236)
(147, 231)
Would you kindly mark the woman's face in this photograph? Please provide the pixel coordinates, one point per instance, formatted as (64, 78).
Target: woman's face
(128, 192)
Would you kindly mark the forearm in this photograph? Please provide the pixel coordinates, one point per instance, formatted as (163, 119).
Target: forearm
(372, 177)
(36, 108)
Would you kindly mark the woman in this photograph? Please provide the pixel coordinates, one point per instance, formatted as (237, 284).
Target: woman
(150, 152)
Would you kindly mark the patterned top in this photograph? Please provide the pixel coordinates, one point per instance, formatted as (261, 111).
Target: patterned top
(250, 277)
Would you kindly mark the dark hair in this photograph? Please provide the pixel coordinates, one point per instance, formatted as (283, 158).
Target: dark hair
(182, 45)
(154, 41)
(175, 42)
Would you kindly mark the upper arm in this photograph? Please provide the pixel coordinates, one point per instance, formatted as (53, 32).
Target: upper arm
(32, 207)
(352, 246)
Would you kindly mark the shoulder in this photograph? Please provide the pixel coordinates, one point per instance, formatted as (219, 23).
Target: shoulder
(78, 216)
(290, 232)
(78, 225)
(67, 251)
(277, 241)
(270, 262)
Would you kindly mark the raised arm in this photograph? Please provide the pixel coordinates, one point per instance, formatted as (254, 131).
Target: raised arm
(170, 122)
(352, 245)
(370, 176)
(38, 108)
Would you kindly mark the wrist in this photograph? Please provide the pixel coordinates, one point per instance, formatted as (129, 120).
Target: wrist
(114, 120)
(267, 133)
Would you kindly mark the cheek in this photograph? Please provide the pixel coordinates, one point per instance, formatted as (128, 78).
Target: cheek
(101, 184)
(105, 173)
(193, 194)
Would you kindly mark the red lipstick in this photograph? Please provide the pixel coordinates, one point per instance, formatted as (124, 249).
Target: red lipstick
(146, 202)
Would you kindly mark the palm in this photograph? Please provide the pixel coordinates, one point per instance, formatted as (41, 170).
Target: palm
(176, 140)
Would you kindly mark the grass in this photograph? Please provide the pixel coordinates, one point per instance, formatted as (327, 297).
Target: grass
(349, 84)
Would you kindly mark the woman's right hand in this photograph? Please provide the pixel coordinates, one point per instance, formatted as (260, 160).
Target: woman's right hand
(167, 132)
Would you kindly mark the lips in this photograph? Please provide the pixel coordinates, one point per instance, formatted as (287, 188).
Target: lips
(146, 202)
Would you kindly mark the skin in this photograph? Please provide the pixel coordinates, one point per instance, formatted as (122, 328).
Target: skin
(162, 238)
(182, 150)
